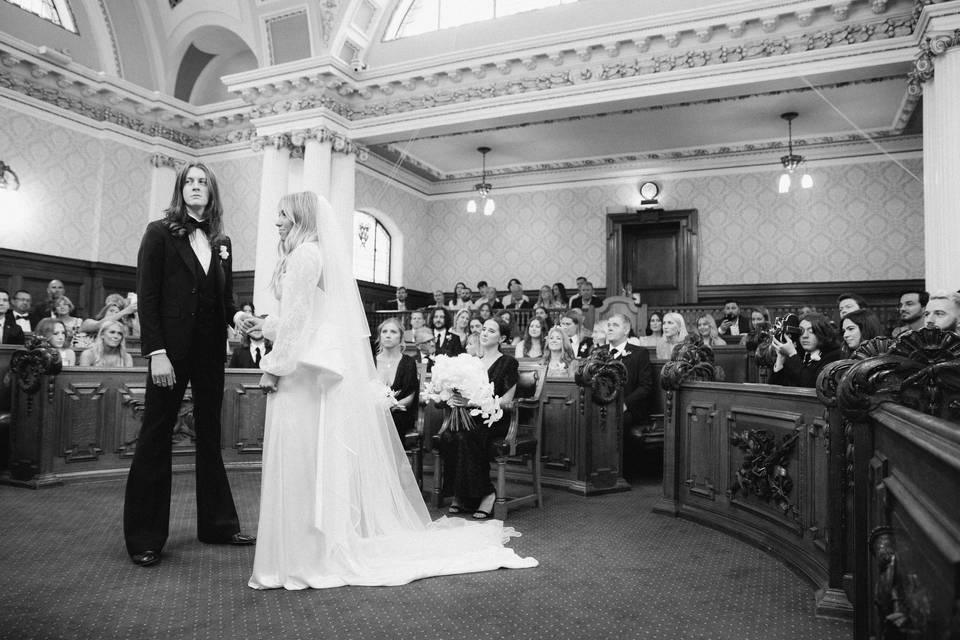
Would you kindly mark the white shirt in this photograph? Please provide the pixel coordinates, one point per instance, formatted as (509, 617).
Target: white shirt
(201, 246)
(619, 352)
(23, 320)
(257, 344)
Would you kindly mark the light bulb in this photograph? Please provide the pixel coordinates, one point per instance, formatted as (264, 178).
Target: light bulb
(472, 206)
(806, 181)
(489, 206)
(784, 185)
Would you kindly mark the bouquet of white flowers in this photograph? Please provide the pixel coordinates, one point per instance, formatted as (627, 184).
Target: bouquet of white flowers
(462, 383)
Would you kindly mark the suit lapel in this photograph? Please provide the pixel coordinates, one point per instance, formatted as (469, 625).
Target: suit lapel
(186, 252)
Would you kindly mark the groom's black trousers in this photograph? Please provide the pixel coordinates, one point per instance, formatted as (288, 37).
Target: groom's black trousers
(146, 514)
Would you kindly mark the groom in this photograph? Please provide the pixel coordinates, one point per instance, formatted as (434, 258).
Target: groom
(185, 287)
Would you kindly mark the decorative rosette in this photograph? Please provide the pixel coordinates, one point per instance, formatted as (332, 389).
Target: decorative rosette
(604, 374)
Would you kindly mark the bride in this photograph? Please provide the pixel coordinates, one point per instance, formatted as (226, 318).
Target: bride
(339, 504)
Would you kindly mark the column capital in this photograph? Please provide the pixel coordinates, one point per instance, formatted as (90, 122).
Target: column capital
(929, 48)
(278, 141)
(300, 137)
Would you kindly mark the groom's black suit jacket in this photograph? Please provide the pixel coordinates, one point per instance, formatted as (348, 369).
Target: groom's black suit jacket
(168, 290)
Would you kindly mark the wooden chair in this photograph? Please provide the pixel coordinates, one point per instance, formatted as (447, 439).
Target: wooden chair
(626, 306)
(521, 443)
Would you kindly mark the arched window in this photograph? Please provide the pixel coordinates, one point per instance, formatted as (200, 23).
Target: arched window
(371, 249)
(413, 17)
(56, 11)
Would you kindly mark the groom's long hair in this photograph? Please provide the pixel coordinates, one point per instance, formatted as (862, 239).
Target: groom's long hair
(175, 216)
(301, 208)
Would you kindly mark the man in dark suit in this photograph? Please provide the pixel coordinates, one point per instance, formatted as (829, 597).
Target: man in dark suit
(445, 342)
(570, 325)
(22, 303)
(185, 287)
(733, 323)
(586, 299)
(637, 387)
(10, 332)
(47, 308)
(399, 303)
(252, 348)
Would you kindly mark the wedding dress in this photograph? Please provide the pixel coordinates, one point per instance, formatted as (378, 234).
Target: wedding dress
(339, 503)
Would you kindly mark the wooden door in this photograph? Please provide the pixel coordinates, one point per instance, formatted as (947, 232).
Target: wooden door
(656, 251)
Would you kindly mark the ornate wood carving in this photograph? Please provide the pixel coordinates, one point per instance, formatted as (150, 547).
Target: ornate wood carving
(691, 360)
(765, 470)
(702, 444)
(38, 360)
(81, 419)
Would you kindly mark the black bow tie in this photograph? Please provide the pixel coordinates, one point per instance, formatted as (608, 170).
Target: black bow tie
(191, 224)
(20, 316)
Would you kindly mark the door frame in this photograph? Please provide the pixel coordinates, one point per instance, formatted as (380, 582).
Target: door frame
(688, 248)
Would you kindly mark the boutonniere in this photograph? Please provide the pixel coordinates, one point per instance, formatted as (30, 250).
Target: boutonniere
(224, 253)
(815, 357)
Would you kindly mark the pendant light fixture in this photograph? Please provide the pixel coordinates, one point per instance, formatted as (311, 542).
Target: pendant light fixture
(791, 162)
(482, 202)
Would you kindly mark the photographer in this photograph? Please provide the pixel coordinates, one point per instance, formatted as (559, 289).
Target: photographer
(759, 328)
(733, 323)
(819, 344)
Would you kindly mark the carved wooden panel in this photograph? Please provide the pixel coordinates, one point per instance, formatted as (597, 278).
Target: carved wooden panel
(129, 417)
(815, 488)
(781, 426)
(184, 431)
(560, 415)
(248, 411)
(702, 439)
(603, 431)
(81, 420)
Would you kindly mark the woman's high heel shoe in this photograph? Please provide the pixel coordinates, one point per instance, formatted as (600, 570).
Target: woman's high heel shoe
(480, 513)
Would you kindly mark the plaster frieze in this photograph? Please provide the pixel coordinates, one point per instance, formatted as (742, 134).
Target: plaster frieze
(937, 31)
(430, 90)
(296, 140)
(161, 160)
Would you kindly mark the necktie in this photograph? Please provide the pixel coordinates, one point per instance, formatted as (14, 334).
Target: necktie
(256, 356)
(439, 340)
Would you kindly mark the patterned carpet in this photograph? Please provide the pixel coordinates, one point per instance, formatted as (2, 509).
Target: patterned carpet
(609, 569)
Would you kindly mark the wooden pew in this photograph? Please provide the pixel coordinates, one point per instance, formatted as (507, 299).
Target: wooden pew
(717, 436)
(84, 423)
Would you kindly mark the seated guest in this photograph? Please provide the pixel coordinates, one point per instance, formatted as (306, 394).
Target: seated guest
(472, 345)
(515, 299)
(116, 308)
(654, 331)
(109, 349)
(399, 372)
(707, 329)
(488, 295)
(56, 334)
(571, 302)
(63, 311)
(560, 295)
(759, 326)
(247, 307)
(804, 309)
(461, 324)
(21, 303)
(399, 301)
(599, 334)
(733, 323)
(857, 327)
(570, 323)
(586, 298)
(509, 318)
(546, 299)
(674, 332)
(485, 311)
(910, 309)
(847, 302)
(559, 356)
(463, 299)
(445, 341)
(252, 348)
(544, 316)
(819, 344)
(417, 321)
(439, 299)
(466, 452)
(942, 310)
(639, 383)
(10, 331)
(45, 309)
(534, 343)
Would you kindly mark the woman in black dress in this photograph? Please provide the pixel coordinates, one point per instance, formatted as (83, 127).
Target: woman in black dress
(466, 453)
(399, 372)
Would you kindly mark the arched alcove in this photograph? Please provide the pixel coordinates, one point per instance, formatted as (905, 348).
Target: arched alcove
(211, 53)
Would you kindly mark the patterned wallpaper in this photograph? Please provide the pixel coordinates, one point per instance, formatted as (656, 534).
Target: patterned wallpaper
(239, 182)
(861, 222)
(67, 179)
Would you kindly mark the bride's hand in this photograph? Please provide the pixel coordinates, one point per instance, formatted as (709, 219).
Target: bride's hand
(268, 383)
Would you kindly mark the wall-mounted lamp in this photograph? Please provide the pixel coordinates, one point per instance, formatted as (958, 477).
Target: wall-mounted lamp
(8, 177)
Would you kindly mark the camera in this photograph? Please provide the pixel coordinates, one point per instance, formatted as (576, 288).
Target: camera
(787, 327)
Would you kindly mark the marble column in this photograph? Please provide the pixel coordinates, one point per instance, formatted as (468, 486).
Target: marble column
(273, 184)
(317, 151)
(343, 189)
(937, 70)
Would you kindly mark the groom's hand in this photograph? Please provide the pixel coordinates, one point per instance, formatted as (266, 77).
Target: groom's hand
(162, 371)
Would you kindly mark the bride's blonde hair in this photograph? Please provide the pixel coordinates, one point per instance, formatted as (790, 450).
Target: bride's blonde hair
(301, 208)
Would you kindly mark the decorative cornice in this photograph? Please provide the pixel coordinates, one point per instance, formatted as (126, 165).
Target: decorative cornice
(160, 160)
(296, 140)
(930, 48)
(113, 37)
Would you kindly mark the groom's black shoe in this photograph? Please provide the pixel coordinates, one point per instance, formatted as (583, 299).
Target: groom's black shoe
(146, 559)
(242, 539)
